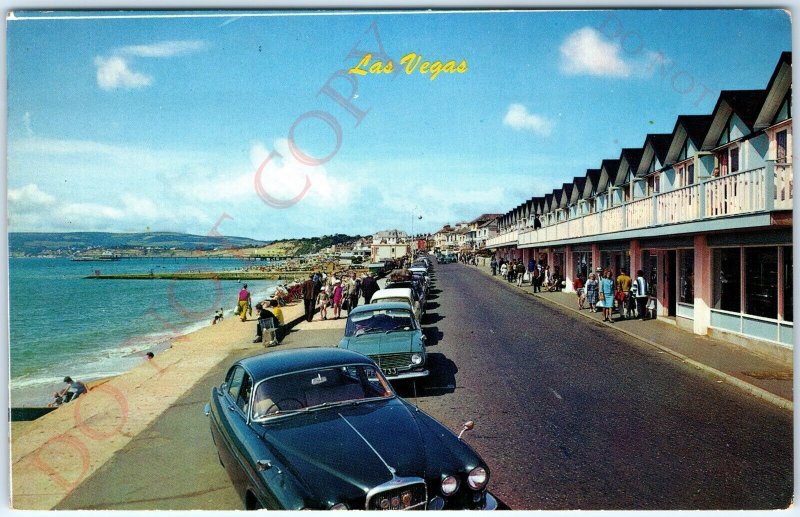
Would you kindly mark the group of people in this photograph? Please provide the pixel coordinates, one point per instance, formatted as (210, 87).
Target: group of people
(629, 296)
(538, 274)
(321, 292)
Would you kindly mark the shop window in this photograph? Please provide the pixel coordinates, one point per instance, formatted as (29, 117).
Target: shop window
(726, 274)
(788, 305)
(650, 270)
(582, 264)
(761, 282)
(686, 276)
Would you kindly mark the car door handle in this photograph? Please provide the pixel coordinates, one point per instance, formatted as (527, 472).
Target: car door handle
(231, 407)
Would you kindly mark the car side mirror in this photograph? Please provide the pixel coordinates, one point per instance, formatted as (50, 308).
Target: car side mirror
(223, 386)
(469, 425)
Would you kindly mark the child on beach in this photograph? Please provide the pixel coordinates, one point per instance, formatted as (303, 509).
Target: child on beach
(322, 304)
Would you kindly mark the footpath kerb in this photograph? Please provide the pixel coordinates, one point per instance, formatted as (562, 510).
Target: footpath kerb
(56, 452)
(762, 377)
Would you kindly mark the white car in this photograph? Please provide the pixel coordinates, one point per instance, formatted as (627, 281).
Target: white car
(399, 294)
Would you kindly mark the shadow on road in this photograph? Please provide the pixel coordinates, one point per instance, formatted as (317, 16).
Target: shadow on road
(431, 317)
(433, 335)
(441, 380)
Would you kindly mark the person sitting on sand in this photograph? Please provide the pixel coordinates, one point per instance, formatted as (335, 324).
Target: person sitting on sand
(264, 314)
(73, 391)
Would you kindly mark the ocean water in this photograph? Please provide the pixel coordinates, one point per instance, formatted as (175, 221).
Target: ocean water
(64, 324)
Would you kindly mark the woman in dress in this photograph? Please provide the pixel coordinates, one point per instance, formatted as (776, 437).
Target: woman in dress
(591, 292)
(337, 298)
(607, 291)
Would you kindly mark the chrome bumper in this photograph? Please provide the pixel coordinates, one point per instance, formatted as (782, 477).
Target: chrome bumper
(407, 375)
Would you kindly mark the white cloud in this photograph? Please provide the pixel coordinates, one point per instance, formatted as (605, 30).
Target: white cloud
(164, 48)
(29, 196)
(587, 52)
(520, 119)
(113, 73)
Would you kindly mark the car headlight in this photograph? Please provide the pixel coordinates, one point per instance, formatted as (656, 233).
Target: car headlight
(339, 506)
(449, 485)
(416, 358)
(477, 478)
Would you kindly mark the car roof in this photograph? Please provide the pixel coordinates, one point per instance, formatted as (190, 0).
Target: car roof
(393, 291)
(283, 361)
(381, 305)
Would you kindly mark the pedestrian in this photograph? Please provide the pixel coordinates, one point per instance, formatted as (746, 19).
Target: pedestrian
(322, 304)
(592, 288)
(531, 267)
(309, 296)
(244, 302)
(73, 390)
(368, 287)
(607, 295)
(537, 279)
(504, 270)
(642, 294)
(493, 264)
(338, 294)
(354, 292)
(623, 292)
(520, 273)
(577, 284)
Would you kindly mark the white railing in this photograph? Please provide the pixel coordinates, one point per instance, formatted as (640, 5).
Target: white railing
(783, 186)
(757, 190)
(733, 194)
(639, 213)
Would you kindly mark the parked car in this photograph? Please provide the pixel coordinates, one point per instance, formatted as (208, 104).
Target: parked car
(400, 294)
(389, 333)
(322, 429)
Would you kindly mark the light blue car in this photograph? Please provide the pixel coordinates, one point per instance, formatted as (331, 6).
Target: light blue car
(388, 333)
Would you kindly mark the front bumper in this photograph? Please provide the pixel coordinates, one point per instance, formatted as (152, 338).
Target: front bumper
(407, 375)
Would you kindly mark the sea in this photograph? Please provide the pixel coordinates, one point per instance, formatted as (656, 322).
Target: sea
(62, 323)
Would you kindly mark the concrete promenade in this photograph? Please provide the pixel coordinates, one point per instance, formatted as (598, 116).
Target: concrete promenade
(51, 456)
(761, 377)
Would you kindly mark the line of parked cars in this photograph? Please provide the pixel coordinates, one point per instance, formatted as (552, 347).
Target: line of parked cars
(322, 428)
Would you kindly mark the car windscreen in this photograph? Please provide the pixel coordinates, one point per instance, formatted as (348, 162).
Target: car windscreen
(318, 388)
(399, 299)
(379, 320)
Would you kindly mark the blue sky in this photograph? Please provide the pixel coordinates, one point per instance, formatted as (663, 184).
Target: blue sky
(161, 122)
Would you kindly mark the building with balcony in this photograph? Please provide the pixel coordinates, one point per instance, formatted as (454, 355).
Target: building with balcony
(705, 211)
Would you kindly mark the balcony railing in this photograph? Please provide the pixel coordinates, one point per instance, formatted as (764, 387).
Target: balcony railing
(758, 190)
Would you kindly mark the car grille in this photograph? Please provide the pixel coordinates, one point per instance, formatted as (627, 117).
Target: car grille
(393, 361)
(398, 494)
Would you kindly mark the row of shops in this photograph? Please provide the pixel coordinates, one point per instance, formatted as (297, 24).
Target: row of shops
(716, 245)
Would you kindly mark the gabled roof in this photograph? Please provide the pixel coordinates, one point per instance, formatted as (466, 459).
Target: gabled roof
(744, 103)
(778, 87)
(629, 158)
(692, 127)
(655, 146)
(592, 179)
(607, 173)
(577, 188)
(548, 201)
(538, 205)
(485, 217)
(566, 195)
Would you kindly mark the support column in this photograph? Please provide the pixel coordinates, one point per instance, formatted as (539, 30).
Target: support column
(636, 257)
(702, 285)
(595, 257)
(569, 273)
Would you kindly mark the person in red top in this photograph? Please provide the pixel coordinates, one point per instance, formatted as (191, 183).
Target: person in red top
(577, 284)
(244, 302)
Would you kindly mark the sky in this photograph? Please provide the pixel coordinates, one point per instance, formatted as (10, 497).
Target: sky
(248, 123)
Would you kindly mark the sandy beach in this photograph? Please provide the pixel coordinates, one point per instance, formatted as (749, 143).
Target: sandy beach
(53, 454)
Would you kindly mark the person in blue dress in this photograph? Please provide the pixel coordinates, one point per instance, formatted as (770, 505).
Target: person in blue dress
(607, 292)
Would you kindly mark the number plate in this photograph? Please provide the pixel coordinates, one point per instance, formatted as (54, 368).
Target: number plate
(389, 371)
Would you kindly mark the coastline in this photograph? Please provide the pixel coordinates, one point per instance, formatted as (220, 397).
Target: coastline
(38, 392)
(53, 454)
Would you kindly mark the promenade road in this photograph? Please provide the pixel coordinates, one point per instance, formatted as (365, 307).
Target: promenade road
(571, 413)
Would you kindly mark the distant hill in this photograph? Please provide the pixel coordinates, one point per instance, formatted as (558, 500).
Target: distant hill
(30, 243)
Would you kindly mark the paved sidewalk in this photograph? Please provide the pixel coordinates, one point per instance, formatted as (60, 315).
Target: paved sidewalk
(762, 377)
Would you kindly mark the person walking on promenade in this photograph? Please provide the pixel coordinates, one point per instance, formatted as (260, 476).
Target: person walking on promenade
(338, 294)
(244, 302)
(607, 295)
(531, 267)
(537, 278)
(623, 292)
(642, 294)
(369, 287)
(577, 284)
(504, 270)
(322, 304)
(354, 292)
(493, 264)
(592, 288)
(309, 296)
(520, 273)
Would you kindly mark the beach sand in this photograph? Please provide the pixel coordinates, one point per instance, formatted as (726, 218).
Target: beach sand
(53, 454)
